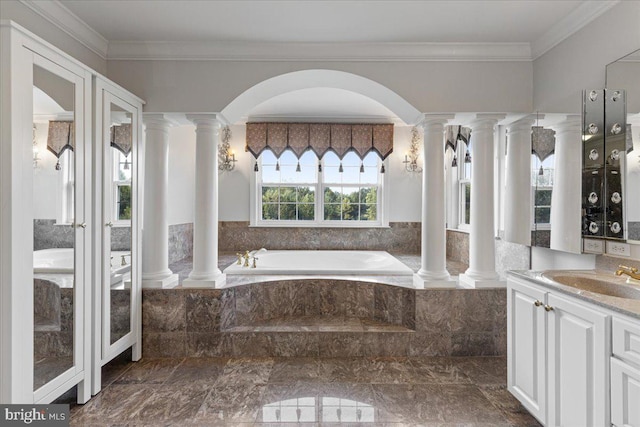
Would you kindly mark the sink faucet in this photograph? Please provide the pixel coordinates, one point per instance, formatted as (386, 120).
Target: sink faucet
(632, 272)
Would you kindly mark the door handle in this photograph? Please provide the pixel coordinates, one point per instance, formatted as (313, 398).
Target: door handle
(109, 224)
(82, 225)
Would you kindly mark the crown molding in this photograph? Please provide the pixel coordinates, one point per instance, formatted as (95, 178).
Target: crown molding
(569, 25)
(59, 15)
(243, 51)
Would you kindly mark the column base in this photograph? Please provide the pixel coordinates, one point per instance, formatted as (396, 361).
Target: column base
(168, 282)
(205, 282)
(471, 282)
(421, 282)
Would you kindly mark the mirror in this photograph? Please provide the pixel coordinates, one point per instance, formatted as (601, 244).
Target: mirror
(543, 159)
(118, 172)
(54, 231)
(625, 74)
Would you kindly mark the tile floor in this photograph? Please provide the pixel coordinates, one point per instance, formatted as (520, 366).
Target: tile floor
(465, 391)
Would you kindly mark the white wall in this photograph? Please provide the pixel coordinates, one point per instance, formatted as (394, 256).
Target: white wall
(404, 187)
(46, 179)
(547, 259)
(579, 62)
(24, 16)
(198, 86)
(182, 178)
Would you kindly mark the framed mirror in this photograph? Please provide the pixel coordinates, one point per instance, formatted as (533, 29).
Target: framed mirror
(625, 74)
(60, 235)
(118, 279)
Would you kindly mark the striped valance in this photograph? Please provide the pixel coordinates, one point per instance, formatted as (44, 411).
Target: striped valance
(320, 138)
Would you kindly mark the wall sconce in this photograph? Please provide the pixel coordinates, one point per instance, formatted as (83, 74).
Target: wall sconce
(36, 158)
(226, 157)
(411, 158)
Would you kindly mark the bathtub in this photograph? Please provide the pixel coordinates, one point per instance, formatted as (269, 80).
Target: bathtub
(370, 263)
(61, 261)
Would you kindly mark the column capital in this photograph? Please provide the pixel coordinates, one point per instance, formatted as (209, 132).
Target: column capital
(216, 120)
(159, 121)
(571, 123)
(485, 120)
(524, 124)
(441, 119)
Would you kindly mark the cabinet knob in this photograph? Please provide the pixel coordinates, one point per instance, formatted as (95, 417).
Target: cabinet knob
(537, 303)
(548, 307)
(109, 224)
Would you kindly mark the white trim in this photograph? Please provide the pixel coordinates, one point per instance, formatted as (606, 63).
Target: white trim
(569, 25)
(381, 51)
(67, 21)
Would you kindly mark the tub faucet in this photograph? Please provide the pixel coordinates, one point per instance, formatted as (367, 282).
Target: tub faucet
(239, 255)
(632, 272)
(246, 259)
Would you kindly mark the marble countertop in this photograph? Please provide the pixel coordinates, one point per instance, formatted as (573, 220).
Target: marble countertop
(626, 306)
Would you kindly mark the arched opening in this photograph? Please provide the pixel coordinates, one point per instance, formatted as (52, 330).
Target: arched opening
(296, 81)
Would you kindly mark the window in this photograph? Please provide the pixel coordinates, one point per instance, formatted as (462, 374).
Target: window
(66, 177)
(310, 192)
(121, 186)
(464, 180)
(541, 190)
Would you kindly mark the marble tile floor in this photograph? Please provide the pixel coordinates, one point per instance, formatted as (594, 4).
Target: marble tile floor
(437, 391)
(183, 267)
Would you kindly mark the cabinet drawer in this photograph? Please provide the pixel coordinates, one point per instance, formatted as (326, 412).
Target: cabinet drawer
(626, 341)
(625, 394)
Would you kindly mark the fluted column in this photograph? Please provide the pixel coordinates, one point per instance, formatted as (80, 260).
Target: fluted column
(566, 196)
(433, 269)
(205, 273)
(155, 233)
(482, 268)
(517, 207)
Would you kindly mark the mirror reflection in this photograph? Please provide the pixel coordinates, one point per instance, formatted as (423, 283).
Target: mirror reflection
(118, 174)
(625, 74)
(53, 229)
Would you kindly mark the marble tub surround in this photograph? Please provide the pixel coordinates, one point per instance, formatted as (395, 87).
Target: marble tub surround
(468, 391)
(47, 234)
(458, 246)
(180, 242)
(633, 230)
(120, 238)
(399, 237)
(359, 320)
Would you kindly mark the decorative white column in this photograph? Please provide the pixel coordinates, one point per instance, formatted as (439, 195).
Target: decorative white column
(567, 183)
(205, 273)
(433, 270)
(482, 264)
(155, 233)
(517, 206)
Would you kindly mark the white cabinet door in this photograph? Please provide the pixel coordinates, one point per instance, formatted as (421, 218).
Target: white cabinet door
(578, 364)
(526, 346)
(625, 394)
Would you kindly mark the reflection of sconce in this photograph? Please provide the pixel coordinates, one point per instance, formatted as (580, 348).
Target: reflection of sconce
(226, 157)
(36, 159)
(411, 158)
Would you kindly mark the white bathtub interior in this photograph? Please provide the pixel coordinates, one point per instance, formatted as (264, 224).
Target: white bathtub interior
(310, 262)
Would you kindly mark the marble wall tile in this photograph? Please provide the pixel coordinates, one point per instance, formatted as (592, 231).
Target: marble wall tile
(227, 309)
(203, 310)
(541, 238)
(434, 310)
(164, 344)
(633, 230)
(340, 344)
(474, 344)
(386, 344)
(282, 299)
(46, 305)
(120, 238)
(293, 344)
(409, 308)
(479, 310)
(511, 256)
(120, 313)
(388, 304)
(344, 298)
(426, 344)
(401, 237)
(204, 344)
(251, 344)
(458, 246)
(53, 343)
(180, 241)
(47, 234)
(163, 310)
(248, 304)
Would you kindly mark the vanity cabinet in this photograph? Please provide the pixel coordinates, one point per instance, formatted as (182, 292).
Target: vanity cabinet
(558, 356)
(625, 374)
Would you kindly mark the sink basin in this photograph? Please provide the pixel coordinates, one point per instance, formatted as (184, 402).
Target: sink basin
(596, 283)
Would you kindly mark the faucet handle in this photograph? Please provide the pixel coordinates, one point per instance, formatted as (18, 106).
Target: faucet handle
(631, 269)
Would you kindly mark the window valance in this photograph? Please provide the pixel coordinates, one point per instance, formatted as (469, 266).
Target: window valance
(453, 134)
(320, 138)
(543, 142)
(61, 136)
(121, 138)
